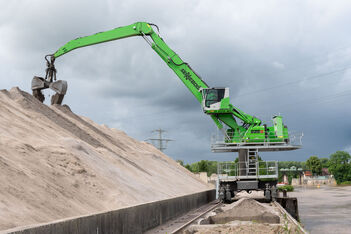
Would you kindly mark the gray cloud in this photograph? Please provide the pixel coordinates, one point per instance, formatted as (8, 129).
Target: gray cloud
(249, 46)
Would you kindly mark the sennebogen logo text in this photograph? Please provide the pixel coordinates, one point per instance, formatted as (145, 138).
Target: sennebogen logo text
(189, 78)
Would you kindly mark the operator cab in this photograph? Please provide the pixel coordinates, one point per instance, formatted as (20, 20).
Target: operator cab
(212, 98)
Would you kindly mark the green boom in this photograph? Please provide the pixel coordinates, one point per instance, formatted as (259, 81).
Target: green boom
(251, 129)
(192, 81)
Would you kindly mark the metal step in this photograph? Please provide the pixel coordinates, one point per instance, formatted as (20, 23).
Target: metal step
(252, 162)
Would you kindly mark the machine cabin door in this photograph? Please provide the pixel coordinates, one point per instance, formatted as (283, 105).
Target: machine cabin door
(212, 98)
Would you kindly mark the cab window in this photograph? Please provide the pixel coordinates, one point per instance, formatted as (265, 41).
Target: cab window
(213, 96)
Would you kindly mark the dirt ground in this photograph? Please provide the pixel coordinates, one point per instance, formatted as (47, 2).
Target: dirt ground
(55, 164)
(326, 209)
(244, 216)
(247, 210)
(239, 227)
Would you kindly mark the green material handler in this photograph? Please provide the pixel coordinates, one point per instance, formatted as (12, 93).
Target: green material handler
(214, 101)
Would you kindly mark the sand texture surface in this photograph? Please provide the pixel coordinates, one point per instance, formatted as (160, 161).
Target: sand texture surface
(239, 227)
(244, 216)
(247, 209)
(55, 164)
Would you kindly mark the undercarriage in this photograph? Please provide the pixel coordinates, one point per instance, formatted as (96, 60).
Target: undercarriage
(249, 173)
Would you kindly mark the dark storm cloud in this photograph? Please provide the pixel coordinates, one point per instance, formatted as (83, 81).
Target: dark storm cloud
(248, 46)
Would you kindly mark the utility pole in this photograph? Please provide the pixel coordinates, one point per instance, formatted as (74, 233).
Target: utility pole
(160, 142)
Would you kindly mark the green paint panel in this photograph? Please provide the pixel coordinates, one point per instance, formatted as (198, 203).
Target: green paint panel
(225, 103)
(278, 126)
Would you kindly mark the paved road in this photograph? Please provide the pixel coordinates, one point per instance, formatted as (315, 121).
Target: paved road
(325, 210)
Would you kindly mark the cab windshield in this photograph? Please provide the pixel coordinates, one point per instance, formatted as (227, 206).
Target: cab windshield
(213, 95)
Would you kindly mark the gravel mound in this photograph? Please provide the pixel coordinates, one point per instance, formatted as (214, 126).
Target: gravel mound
(239, 227)
(55, 164)
(246, 209)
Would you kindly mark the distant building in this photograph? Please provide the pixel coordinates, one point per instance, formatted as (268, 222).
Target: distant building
(325, 172)
(202, 176)
(307, 174)
(310, 180)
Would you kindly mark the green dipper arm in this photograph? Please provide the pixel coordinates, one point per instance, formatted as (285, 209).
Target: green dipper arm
(191, 80)
(186, 74)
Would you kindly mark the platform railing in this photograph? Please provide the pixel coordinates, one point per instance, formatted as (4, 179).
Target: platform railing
(220, 142)
(242, 170)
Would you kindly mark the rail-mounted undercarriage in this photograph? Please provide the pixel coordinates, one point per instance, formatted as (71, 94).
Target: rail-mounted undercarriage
(249, 172)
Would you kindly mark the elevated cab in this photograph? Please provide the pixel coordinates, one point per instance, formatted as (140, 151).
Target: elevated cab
(214, 99)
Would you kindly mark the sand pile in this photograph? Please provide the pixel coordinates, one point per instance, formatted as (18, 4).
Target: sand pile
(244, 216)
(246, 209)
(239, 227)
(55, 164)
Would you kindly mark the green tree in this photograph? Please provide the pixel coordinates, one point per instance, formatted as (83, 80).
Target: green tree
(324, 162)
(340, 167)
(212, 167)
(181, 162)
(314, 164)
(203, 166)
(303, 165)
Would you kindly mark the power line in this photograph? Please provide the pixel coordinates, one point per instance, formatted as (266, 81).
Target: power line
(317, 76)
(251, 93)
(296, 81)
(255, 92)
(322, 99)
(326, 52)
(160, 142)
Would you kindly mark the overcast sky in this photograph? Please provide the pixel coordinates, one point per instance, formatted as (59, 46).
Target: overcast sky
(289, 57)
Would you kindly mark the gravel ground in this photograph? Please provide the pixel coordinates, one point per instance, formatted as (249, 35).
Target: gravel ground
(245, 216)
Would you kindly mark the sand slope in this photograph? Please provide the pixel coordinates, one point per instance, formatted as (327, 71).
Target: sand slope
(55, 164)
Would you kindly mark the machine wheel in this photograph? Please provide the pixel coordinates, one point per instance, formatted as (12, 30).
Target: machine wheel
(228, 194)
(267, 194)
(221, 194)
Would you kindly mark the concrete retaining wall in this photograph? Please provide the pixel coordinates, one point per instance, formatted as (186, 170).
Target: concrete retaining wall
(135, 219)
(290, 205)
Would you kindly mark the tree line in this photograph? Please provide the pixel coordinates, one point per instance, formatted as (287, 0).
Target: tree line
(202, 166)
(338, 164)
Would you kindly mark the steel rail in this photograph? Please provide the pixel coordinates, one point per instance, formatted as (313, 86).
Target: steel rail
(195, 218)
